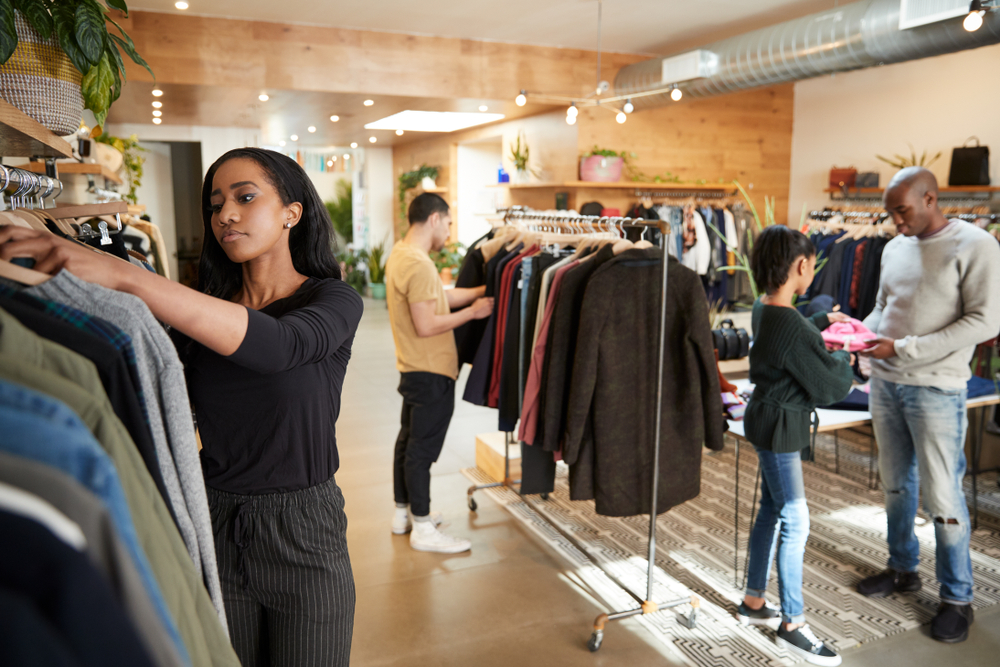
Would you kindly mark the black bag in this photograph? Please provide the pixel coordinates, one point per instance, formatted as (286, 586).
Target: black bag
(732, 343)
(866, 179)
(970, 165)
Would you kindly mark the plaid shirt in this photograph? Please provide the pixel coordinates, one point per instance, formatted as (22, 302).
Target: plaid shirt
(95, 326)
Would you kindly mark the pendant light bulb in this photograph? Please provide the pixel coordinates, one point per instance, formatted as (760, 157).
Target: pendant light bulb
(570, 119)
(676, 94)
(572, 111)
(621, 117)
(974, 21)
(628, 108)
(521, 99)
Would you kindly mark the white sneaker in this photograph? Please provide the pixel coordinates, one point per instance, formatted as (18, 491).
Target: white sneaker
(426, 537)
(402, 524)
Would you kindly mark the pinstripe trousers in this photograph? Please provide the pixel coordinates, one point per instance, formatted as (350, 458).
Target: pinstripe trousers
(286, 576)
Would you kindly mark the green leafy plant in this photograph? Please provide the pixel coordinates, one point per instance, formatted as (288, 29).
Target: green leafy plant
(341, 211)
(130, 148)
(520, 155)
(351, 264)
(901, 162)
(411, 179)
(449, 257)
(83, 35)
(375, 258)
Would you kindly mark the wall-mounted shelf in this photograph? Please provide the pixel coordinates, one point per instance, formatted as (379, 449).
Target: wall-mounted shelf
(619, 185)
(63, 168)
(438, 190)
(22, 136)
(950, 191)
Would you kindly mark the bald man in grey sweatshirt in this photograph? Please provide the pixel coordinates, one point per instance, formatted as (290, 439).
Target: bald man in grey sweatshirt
(939, 296)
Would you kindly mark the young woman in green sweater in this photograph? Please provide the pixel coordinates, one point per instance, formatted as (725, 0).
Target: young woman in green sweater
(793, 373)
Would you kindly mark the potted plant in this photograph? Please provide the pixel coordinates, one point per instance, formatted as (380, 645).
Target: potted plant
(351, 265)
(601, 165)
(76, 32)
(447, 260)
(341, 212)
(411, 179)
(132, 161)
(375, 258)
(520, 155)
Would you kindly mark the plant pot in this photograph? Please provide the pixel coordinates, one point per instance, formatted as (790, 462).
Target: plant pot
(446, 276)
(427, 183)
(378, 290)
(40, 80)
(600, 169)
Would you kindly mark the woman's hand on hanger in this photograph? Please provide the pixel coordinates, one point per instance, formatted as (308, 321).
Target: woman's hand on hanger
(53, 254)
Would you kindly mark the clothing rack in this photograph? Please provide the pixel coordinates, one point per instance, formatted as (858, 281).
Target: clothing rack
(827, 214)
(28, 189)
(537, 221)
(681, 194)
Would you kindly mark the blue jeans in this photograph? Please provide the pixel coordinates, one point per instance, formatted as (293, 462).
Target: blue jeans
(921, 438)
(783, 525)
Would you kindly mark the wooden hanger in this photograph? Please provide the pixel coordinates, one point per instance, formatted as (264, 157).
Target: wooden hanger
(19, 274)
(33, 221)
(7, 218)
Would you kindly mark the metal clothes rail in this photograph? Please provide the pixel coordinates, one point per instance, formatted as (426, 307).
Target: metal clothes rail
(599, 224)
(27, 189)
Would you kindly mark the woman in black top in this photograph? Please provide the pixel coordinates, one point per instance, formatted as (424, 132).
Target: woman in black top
(266, 341)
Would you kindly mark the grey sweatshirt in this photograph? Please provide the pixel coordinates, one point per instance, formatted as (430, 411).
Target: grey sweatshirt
(165, 391)
(938, 298)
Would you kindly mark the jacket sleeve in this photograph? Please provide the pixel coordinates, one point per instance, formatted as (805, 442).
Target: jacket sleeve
(875, 317)
(302, 336)
(593, 316)
(825, 376)
(819, 320)
(700, 336)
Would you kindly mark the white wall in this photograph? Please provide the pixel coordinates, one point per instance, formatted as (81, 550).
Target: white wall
(214, 140)
(378, 182)
(157, 193)
(934, 104)
(477, 167)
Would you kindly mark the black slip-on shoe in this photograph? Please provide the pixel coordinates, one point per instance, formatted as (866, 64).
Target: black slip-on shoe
(951, 625)
(889, 581)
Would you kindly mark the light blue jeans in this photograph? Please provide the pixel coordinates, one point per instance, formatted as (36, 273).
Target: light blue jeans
(921, 438)
(782, 525)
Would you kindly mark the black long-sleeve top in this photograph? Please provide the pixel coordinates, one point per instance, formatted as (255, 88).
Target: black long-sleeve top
(267, 413)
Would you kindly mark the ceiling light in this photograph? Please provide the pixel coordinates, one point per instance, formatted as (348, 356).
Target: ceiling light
(157, 104)
(629, 107)
(521, 99)
(157, 113)
(329, 163)
(570, 120)
(263, 97)
(572, 111)
(157, 121)
(347, 156)
(311, 128)
(676, 94)
(333, 157)
(483, 107)
(368, 103)
(399, 133)
(354, 144)
(294, 137)
(974, 20)
(621, 117)
(432, 121)
(181, 5)
(372, 140)
(157, 92)
(282, 143)
(334, 119)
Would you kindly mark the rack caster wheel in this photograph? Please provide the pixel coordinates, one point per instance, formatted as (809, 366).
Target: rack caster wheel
(473, 506)
(595, 640)
(545, 496)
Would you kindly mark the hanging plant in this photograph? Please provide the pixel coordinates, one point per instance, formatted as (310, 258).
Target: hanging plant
(132, 163)
(81, 29)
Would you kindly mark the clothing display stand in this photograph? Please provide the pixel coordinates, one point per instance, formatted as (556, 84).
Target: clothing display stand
(575, 225)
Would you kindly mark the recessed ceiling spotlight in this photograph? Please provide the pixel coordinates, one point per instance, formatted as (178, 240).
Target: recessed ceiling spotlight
(157, 113)
(181, 5)
(333, 157)
(157, 121)
(399, 133)
(157, 92)
(294, 137)
(329, 163)
(311, 128)
(263, 97)
(372, 140)
(368, 103)
(157, 104)
(347, 156)
(334, 118)
(354, 144)
(483, 107)
(282, 143)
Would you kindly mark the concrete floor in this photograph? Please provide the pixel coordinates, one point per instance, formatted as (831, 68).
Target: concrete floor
(509, 601)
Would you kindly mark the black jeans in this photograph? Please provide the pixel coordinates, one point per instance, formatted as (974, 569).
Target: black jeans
(428, 403)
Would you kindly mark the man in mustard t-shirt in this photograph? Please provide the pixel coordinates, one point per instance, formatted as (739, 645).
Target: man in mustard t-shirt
(427, 359)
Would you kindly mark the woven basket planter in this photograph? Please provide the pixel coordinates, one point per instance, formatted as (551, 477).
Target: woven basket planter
(40, 80)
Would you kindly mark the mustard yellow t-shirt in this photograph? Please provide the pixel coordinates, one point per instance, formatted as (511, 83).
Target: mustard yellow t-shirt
(410, 277)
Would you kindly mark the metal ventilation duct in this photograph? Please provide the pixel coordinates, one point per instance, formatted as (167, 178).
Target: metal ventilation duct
(855, 36)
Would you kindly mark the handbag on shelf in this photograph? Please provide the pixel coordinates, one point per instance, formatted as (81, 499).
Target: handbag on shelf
(866, 179)
(730, 342)
(970, 165)
(843, 177)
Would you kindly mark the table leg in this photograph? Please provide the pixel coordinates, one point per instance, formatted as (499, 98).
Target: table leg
(736, 521)
(977, 448)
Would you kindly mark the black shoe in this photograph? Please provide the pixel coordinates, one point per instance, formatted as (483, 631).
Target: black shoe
(951, 625)
(889, 581)
(803, 644)
(763, 616)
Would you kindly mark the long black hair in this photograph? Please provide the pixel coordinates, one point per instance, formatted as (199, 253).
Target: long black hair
(310, 241)
(774, 252)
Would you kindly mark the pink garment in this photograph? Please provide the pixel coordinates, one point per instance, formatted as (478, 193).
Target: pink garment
(853, 334)
(533, 386)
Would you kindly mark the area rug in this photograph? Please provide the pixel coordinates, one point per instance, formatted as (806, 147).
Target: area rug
(695, 554)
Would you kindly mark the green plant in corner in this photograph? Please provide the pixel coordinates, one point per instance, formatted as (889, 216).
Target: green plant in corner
(81, 29)
(341, 211)
(130, 149)
(411, 179)
(901, 162)
(375, 257)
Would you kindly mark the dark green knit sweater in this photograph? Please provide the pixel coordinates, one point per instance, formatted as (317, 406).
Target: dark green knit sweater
(793, 373)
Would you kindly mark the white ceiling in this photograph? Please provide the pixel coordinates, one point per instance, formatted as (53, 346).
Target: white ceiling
(631, 26)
